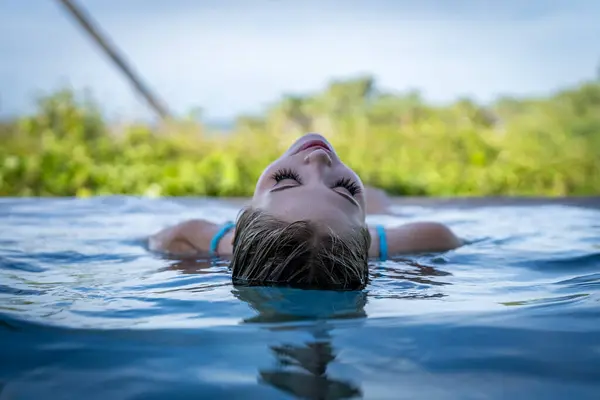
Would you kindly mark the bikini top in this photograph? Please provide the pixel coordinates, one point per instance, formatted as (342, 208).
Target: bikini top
(229, 225)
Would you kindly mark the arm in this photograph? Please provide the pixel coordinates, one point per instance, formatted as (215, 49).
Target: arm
(417, 237)
(184, 239)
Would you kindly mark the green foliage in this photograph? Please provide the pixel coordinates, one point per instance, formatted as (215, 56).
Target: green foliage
(548, 146)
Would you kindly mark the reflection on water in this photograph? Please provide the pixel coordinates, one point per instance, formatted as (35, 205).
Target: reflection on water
(87, 312)
(302, 372)
(273, 304)
(196, 266)
(301, 369)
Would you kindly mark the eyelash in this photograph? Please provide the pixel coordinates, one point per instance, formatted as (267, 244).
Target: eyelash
(286, 174)
(346, 183)
(349, 185)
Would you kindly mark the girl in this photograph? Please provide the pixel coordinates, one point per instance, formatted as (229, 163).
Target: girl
(305, 226)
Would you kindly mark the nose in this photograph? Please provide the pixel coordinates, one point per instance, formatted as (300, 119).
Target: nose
(319, 157)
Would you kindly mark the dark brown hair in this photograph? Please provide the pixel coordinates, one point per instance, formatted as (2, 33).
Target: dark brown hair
(269, 251)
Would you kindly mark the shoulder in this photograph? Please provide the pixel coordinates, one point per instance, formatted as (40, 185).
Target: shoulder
(421, 237)
(377, 201)
(186, 238)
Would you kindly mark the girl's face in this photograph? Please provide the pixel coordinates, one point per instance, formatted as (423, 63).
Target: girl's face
(310, 182)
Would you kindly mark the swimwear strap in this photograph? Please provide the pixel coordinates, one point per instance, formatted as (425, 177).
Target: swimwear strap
(214, 243)
(383, 247)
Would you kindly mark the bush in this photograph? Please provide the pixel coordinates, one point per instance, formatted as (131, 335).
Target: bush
(394, 141)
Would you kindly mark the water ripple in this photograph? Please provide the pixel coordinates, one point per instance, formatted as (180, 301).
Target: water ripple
(12, 264)
(89, 312)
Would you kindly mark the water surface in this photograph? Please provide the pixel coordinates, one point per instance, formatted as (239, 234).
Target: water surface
(87, 312)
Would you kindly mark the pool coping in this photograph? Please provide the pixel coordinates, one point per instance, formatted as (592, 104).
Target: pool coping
(592, 202)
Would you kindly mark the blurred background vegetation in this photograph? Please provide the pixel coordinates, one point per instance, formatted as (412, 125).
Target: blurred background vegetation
(398, 142)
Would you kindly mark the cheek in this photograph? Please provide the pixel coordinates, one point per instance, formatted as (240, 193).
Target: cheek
(261, 185)
(264, 181)
(361, 197)
(354, 175)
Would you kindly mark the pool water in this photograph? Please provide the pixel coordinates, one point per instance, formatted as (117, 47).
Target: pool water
(86, 312)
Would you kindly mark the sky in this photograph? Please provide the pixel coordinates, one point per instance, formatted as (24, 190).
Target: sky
(232, 57)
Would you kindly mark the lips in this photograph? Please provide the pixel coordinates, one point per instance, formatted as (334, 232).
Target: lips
(314, 144)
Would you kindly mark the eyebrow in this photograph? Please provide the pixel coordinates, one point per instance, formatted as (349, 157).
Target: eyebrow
(345, 196)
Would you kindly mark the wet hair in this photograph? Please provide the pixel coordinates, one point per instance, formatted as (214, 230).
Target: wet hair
(270, 252)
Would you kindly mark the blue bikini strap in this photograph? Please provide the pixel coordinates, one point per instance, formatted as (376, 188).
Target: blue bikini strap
(214, 243)
(383, 246)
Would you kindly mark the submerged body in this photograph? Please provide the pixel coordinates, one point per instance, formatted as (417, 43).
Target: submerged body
(306, 224)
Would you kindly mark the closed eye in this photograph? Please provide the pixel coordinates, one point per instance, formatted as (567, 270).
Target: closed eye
(342, 194)
(289, 174)
(352, 187)
(286, 173)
